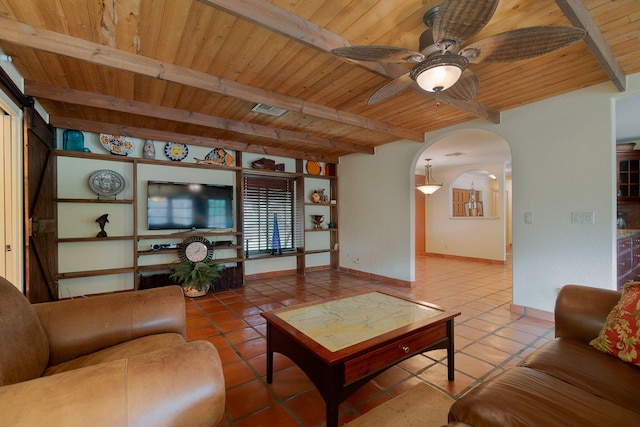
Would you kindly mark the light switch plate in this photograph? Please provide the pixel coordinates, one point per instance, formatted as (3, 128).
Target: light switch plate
(582, 218)
(528, 218)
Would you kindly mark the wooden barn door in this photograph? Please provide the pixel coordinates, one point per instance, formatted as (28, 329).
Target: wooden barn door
(41, 255)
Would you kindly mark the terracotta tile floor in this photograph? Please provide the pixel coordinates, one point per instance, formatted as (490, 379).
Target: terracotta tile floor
(488, 339)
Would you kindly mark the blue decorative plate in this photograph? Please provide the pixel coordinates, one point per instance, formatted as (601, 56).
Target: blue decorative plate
(175, 151)
(106, 183)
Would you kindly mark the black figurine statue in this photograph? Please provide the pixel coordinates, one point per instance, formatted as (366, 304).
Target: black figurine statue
(102, 221)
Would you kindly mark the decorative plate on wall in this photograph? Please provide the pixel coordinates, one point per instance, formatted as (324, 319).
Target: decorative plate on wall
(313, 168)
(117, 144)
(220, 157)
(176, 151)
(106, 183)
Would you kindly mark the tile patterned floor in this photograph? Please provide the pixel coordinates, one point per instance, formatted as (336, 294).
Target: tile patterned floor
(488, 339)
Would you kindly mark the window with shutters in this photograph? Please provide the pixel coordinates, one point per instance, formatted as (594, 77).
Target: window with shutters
(266, 198)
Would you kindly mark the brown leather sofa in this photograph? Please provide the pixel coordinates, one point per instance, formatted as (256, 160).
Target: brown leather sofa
(565, 382)
(111, 360)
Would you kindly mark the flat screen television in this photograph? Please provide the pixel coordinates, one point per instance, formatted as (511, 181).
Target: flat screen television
(180, 205)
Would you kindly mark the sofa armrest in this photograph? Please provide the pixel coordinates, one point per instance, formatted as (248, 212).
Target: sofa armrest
(178, 386)
(581, 311)
(80, 326)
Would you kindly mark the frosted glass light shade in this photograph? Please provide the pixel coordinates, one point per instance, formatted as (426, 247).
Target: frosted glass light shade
(440, 72)
(429, 189)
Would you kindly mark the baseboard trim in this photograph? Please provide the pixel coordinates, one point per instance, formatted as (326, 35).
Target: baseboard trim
(531, 312)
(466, 258)
(378, 278)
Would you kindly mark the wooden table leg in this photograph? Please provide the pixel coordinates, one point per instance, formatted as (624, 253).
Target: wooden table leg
(332, 399)
(450, 350)
(269, 355)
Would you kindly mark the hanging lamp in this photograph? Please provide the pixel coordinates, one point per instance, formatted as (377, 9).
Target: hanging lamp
(429, 186)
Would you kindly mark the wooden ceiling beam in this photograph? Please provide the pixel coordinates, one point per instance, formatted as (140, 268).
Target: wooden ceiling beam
(61, 44)
(279, 21)
(579, 16)
(90, 99)
(145, 133)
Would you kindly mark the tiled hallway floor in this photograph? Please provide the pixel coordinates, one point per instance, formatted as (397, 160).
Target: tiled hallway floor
(488, 339)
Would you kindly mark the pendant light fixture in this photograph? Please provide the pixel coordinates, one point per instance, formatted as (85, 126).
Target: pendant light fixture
(429, 186)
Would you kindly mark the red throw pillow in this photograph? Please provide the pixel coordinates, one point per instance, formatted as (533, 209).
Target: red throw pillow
(620, 335)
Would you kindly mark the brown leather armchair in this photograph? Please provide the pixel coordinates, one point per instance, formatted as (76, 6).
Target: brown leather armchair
(110, 360)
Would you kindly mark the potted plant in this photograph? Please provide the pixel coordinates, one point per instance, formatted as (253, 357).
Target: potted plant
(195, 277)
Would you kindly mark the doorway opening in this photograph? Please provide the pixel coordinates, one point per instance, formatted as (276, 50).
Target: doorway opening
(470, 216)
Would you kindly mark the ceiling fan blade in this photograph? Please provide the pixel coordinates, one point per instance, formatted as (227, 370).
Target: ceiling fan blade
(379, 53)
(522, 43)
(460, 20)
(466, 87)
(393, 87)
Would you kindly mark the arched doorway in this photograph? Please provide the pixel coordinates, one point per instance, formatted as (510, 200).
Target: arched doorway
(465, 161)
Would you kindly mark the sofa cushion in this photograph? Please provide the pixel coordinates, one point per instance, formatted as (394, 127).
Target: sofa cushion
(121, 351)
(525, 397)
(620, 335)
(24, 348)
(584, 367)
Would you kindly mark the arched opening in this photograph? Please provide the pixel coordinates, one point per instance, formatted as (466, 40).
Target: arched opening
(470, 216)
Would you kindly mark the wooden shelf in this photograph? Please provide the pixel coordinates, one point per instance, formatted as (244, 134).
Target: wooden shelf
(160, 267)
(267, 256)
(180, 235)
(306, 175)
(320, 251)
(93, 273)
(116, 201)
(134, 164)
(268, 172)
(140, 160)
(94, 156)
(175, 251)
(92, 239)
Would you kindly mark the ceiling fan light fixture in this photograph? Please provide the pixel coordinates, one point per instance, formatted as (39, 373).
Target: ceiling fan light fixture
(429, 186)
(439, 72)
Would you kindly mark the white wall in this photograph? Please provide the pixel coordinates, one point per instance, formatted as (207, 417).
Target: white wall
(465, 236)
(377, 209)
(563, 154)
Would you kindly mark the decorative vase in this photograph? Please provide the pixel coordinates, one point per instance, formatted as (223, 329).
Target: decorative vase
(149, 150)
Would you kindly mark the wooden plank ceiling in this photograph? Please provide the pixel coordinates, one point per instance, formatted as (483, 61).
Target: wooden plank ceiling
(191, 71)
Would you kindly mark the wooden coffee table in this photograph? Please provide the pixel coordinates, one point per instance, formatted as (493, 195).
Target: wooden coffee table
(343, 343)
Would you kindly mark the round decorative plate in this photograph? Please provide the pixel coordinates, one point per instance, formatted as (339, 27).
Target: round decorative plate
(313, 168)
(176, 151)
(106, 183)
(117, 144)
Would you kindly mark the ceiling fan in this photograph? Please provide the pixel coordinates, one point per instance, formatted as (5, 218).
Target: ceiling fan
(443, 60)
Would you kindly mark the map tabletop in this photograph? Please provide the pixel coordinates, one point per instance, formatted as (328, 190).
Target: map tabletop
(343, 322)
